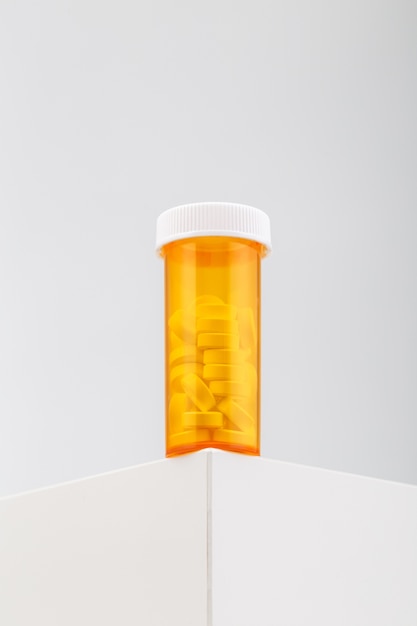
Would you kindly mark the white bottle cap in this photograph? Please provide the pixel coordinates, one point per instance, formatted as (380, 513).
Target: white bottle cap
(219, 219)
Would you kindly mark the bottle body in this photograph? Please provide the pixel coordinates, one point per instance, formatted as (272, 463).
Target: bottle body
(212, 344)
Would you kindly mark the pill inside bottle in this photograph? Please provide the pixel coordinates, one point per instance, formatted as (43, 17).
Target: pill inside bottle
(212, 254)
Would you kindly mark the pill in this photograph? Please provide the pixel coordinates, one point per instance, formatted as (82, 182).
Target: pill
(178, 372)
(216, 311)
(198, 392)
(178, 405)
(184, 325)
(252, 378)
(221, 435)
(237, 414)
(185, 354)
(225, 372)
(218, 340)
(207, 419)
(229, 388)
(250, 404)
(228, 425)
(225, 356)
(190, 437)
(207, 299)
(208, 325)
(247, 328)
(174, 340)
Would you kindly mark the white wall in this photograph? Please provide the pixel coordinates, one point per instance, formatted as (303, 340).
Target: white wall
(111, 112)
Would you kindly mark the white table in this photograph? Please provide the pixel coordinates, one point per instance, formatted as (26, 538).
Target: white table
(211, 539)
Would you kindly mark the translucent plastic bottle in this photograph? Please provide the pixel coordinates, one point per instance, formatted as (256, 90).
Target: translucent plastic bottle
(212, 254)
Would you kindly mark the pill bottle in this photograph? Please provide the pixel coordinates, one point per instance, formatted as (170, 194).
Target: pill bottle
(212, 254)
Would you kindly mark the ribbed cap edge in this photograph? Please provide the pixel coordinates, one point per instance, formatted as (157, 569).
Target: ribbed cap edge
(205, 219)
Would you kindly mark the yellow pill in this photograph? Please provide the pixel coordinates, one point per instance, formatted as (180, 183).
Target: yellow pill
(198, 392)
(185, 354)
(207, 299)
(208, 325)
(249, 403)
(174, 340)
(218, 340)
(223, 435)
(247, 328)
(252, 378)
(178, 405)
(178, 372)
(229, 388)
(224, 356)
(237, 414)
(184, 325)
(208, 419)
(190, 437)
(225, 372)
(217, 311)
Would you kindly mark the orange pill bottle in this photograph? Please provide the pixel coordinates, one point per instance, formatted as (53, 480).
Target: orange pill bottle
(212, 253)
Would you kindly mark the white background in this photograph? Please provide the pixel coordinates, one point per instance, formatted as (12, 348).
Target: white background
(110, 113)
